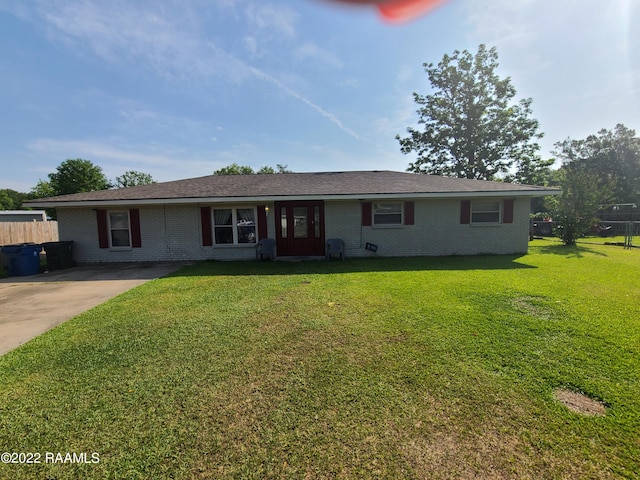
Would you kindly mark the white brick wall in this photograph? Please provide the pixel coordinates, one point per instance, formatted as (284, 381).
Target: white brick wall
(437, 231)
(173, 233)
(169, 233)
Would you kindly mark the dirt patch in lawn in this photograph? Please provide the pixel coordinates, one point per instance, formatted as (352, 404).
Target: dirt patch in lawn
(532, 305)
(580, 403)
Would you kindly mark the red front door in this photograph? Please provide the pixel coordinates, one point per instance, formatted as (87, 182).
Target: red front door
(300, 228)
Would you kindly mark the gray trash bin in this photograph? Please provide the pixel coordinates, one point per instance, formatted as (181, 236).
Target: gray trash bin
(59, 254)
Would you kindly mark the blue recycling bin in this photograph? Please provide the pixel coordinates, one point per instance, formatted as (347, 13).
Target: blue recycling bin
(23, 259)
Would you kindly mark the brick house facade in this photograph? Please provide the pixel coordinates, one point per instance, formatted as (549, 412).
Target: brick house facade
(222, 217)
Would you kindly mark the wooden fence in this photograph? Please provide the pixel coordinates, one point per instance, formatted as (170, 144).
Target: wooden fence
(28, 232)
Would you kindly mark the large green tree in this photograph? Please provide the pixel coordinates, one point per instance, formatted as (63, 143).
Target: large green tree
(470, 126)
(613, 156)
(76, 176)
(133, 178)
(71, 176)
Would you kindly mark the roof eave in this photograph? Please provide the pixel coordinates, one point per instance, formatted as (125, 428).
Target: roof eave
(276, 198)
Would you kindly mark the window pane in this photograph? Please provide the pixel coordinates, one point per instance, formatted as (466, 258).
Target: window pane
(392, 219)
(485, 211)
(387, 213)
(119, 220)
(246, 234)
(120, 238)
(387, 208)
(222, 217)
(246, 225)
(119, 226)
(223, 235)
(301, 222)
(245, 216)
(484, 206)
(283, 221)
(485, 217)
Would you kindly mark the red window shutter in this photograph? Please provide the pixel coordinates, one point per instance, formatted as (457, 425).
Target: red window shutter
(507, 214)
(134, 219)
(103, 228)
(366, 214)
(205, 220)
(262, 222)
(465, 212)
(409, 213)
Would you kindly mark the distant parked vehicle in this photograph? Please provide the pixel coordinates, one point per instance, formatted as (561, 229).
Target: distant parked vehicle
(540, 228)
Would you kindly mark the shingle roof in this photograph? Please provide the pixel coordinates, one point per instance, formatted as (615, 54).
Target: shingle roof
(295, 186)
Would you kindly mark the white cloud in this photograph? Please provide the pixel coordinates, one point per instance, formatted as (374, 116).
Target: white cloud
(505, 22)
(172, 44)
(142, 119)
(402, 117)
(350, 82)
(19, 9)
(98, 150)
(405, 73)
(115, 31)
(136, 35)
(329, 116)
(328, 158)
(577, 59)
(552, 36)
(162, 162)
(271, 18)
(311, 51)
(251, 44)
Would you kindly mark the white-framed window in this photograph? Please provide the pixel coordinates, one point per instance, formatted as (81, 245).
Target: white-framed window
(485, 211)
(234, 226)
(119, 229)
(387, 213)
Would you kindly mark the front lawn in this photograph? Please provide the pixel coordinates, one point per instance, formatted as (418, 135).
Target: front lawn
(381, 368)
(617, 240)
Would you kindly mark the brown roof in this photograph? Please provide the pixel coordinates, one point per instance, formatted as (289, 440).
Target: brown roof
(285, 186)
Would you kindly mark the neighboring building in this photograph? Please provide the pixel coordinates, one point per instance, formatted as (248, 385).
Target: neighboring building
(221, 217)
(23, 216)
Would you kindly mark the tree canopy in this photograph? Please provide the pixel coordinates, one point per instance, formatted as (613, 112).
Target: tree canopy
(613, 156)
(75, 176)
(42, 189)
(6, 202)
(235, 169)
(11, 199)
(133, 178)
(470, 127)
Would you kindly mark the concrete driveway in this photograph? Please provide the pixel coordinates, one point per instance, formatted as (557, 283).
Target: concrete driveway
(31, 305)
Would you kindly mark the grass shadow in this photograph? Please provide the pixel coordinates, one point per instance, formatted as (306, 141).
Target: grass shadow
(569, 251)
(355, 265)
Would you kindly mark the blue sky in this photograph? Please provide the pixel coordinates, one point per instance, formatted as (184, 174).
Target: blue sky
(181, 88)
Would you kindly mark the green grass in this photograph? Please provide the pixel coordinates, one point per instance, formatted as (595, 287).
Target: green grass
(610, 240)
(377, 368)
